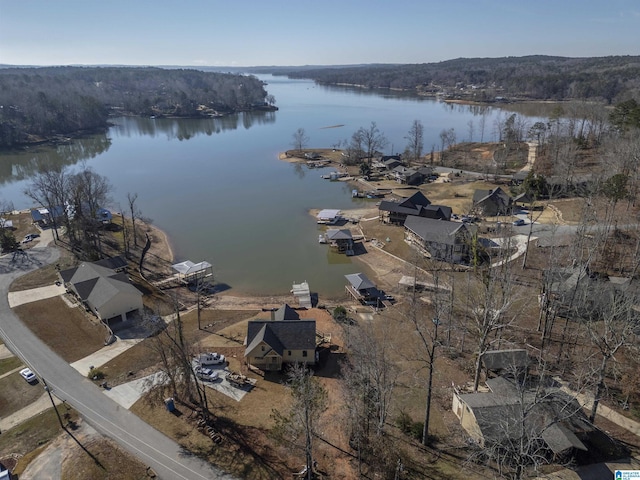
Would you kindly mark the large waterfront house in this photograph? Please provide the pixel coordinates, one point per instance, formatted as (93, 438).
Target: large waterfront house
(104, 291)
(285, 338)
(441, 239)
(416, 205)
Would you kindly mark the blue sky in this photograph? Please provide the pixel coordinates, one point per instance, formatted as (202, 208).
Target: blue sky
(299, 32)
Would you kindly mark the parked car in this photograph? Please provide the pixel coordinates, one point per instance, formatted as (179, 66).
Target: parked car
(210, 359)
(518, 223)
(206, 374)
(30, 237)
(28, 375)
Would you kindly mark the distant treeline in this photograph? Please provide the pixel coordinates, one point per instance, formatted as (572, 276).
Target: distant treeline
(608, 79)
(41, 103)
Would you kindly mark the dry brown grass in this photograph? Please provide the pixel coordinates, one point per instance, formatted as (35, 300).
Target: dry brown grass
(31, 434)
(15, 393)
(70, 332)
(114, 462)
(141, 359)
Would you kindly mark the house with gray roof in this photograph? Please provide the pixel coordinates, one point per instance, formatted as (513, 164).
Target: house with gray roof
(498, 362)
(391, 161)
(510, 412)
(406, 176)
(285, 312)
(417, 205)
(493, 202)
(361, 288)
(105, 292)
(45, 217)
(285, 339)
(441, 239)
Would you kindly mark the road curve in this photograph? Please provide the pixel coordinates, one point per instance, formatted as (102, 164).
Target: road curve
(150, 446)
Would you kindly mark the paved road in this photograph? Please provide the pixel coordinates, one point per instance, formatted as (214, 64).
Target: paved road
(150, 446)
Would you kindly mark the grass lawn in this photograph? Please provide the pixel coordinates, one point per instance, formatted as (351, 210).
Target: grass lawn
(16, 393)
(115, 463)
(8, 364)
(67, 331)
(31, 434)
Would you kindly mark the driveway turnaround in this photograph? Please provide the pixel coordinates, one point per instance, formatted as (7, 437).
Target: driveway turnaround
(153, 448)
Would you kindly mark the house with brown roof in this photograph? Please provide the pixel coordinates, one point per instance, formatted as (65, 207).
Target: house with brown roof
(285, 338)
(440, 239)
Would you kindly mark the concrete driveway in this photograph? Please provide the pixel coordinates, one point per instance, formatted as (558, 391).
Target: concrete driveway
(148, 444)
(34, 294)
(129, 393)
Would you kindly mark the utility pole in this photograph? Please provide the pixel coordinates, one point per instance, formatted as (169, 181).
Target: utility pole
(48, 390)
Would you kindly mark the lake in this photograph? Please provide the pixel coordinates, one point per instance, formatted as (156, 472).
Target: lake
(217, 188)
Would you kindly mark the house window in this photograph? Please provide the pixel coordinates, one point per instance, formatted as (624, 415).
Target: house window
(304, 353)
(289, 352)
(262, 348)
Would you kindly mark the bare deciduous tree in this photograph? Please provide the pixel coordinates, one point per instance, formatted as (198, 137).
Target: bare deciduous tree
(300, 140)
(610, 328)
(88, 192)
(492, 293)
(301, 419)
(470, 129)
(373, 140)
(176, 356)
(370, 376)
(135, 215)
(49, 188)
(425, 321)
(415, 140)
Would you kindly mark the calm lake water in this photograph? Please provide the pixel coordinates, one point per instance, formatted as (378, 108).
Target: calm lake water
(217, 188)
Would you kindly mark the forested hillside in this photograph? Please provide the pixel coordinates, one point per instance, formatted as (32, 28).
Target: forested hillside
(38, 103)
(608, 79)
